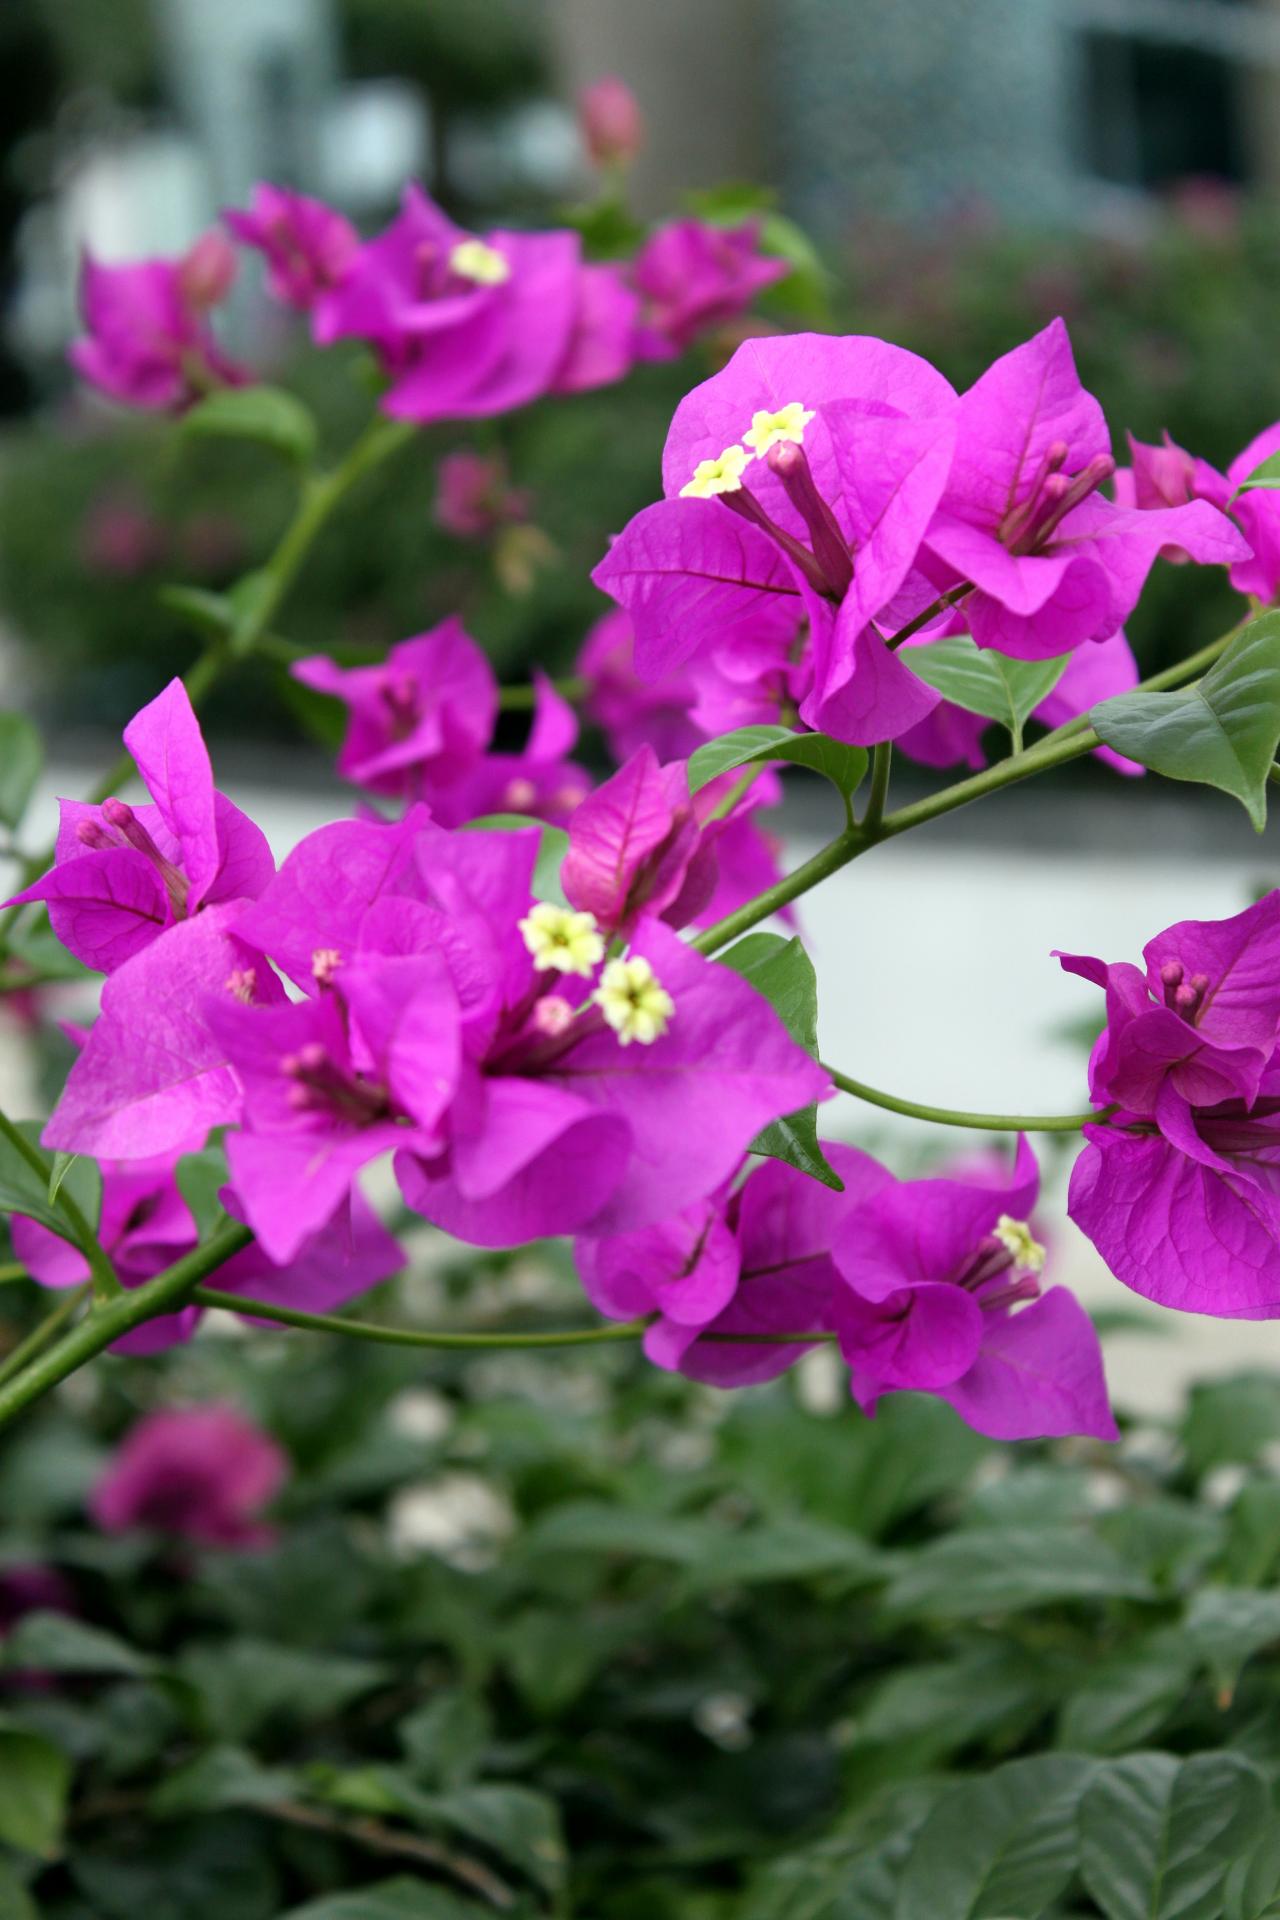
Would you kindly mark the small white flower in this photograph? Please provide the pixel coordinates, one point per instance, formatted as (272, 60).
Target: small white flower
(773, 429)
(561, 939)
(634, 1001)
(477, 260)
(722, 475)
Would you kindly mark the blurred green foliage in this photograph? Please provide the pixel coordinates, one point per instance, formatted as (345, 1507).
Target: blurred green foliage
(638, 1651)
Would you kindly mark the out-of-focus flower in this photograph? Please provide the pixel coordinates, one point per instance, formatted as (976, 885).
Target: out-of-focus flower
(202, 1474)
(148, 342)
(119, 535)
(610, 119)
(308, 247)
(692, 277)
(474, 495)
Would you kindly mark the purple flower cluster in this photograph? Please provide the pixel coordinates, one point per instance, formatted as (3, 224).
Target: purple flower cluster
(927, 1285)
(1179, 1186)
(827, 500)
(463, 325)
(529, 1076)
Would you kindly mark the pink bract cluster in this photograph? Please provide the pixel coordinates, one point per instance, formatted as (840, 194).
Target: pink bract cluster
(463, 325)
(507, 1008)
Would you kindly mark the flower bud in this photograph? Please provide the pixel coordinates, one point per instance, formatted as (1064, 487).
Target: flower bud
(206, 271)
(611, 122)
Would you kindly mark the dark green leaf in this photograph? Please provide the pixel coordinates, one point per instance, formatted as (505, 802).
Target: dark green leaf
(25, 1190)
(267, 415)
(208, 1869)
(843, 765)
(34, 1781)
(444, 1741)
(983, 681)
(218, 1778)
(58, 1643)
(1225, 1626)
(1157, 1834)
(963, 1576)
(400, 1899)
(1253, 1536)
(1128, 1695)
(943, 1705)
(521, 1827)
(1231, 1420)
(782, 972)
(15, 1902)
(1001, 1845)
(21, 758)
(1252, 1890)
(1221, 732)
(246, 1683)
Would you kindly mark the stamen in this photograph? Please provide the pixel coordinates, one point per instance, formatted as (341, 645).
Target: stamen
(718, 476)
(768, 430)
(242, 985)
(1019, 517)
(1086, 482)
(561, 940)
(634, 1001)
(325, 962)
(122, 817)
(322, 1086)
(553, 1016)
(476, 260)
(830, 548)
(519, 795)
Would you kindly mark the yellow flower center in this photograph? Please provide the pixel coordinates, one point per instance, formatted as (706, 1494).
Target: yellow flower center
(557, 937)
(477, 260)
(721, 475)
(634, 1001)
(1017, 1238)
(771, 429)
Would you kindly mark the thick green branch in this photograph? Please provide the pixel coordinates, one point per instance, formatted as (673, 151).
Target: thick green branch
(108, 1320)
(955, 1117)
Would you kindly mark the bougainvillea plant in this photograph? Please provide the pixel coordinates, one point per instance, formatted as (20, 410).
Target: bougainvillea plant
(550, 1004)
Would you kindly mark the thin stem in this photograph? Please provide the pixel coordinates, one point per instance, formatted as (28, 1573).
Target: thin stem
(570, 686)
(414, 1336)
(881, 767)
(109, 1320)
(954, 1117)
(846, 847)
(40, 1336)
(80, 1233)
(12, 1270)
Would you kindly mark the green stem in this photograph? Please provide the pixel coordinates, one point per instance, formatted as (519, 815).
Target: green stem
(881, 767)
(109, 1320)
(40, 1336)
(82, 1235)
(954, 1117)
(570, 686)
(12, 1270)
(413, 1336)
(846, 847)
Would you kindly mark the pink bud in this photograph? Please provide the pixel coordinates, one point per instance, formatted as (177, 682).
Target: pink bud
(611, 123)
(206, 272)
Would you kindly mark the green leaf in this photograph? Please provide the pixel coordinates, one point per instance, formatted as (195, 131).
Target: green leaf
(1266, 475)
(21, 758)
(1229, 1421)
(399, 1899)
(792, 1549)
(246, 1683)
(521, 1827)
(983, 681)
(1226, 1626)
(201, 1177)
(218, 1778)
(211, 614)
(1004, 1569)
(843, 765)
(1004, 1844)
(22, 1188)
(782, 972)
(1252, 1890)
(58, 1643)
(211, 1868)
(1128, 1695)
(1253, 1537)
(1222, 732)
(943, 1705)
(551, 850)
(267, 415)
(444, 1741)
(35, 1777)
(1157, 1834)
(15, 1902)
